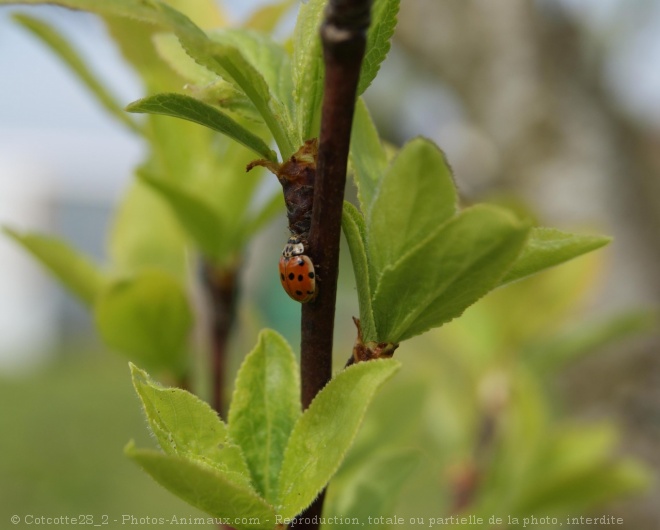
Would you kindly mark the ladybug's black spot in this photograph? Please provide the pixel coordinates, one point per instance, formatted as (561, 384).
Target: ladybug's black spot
(311, 275)
(291, 276)
(299, 293)
(282, 276)
(300, 277)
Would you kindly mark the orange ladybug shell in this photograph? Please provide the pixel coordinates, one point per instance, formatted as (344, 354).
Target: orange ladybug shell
(298, 277)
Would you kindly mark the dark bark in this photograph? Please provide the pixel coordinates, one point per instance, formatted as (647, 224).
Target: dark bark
(343, 35)
(221, 287)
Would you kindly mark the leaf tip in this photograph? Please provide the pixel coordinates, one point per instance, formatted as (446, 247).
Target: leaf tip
(135, 106)
(129, 448)
(10, 232)
(139, 376)
(601, 241)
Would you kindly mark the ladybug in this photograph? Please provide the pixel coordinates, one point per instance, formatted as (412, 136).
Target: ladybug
(297, 271)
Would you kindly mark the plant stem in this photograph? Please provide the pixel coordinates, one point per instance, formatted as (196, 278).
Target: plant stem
(221, 286)
(343, 35)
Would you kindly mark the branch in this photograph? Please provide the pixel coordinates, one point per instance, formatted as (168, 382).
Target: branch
(343, 35)
(221, 284)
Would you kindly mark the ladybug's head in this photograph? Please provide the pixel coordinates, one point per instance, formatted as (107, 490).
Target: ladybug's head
(294, 247)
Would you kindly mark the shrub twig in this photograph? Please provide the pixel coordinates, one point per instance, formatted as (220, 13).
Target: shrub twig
(343, 35)
(221, 285)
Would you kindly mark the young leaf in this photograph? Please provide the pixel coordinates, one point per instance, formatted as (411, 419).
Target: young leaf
(373, 490)
(66, 52)
(205, 488)
(446, 272)
(308, 68)
(146, 234)
(229, 62)
(203, 84)
(146, 11)
(204, 13)
(383, 22)
(224, 60)
(264, 409)
(414, 197)
(187, 108)
(170, 50)
(268, 58)
(353, 226)
(325, 431)
(267, 17)
(229, 98)
(76, 272)
(268, 211)
(197, 217)
(185, 425)
(547, 247)
(147, 317)
(308, 61)
(367, 155)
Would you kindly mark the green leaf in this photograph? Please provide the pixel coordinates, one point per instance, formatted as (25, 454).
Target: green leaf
(146, 234)
(184, 153)
(134, 40)
(229, 98)
(187, 108)
(383, 22)
(144, 10)
(547, 247)
(325, 431)
(229, 62)
(414, 197)
(204, 13)
(205, 488)
(267, 212)
(308, 68)
(267, 17)
(367, 155)
(353, 226)
(222, 59)
(264, 409)
(374, 489)
(186, 426)
(196, 216)
(268, 58)
(67, 53)
(76, 272)
(235, 192)
(446, 272)
(170, 50)
(146, 317)
(204, 85)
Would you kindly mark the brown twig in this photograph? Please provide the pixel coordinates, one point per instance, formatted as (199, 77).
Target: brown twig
(343, 35)
(221, 286)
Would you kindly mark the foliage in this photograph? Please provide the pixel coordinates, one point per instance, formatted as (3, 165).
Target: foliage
(488, 372)
(419, 259)
(291, 455)
(186, 193)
